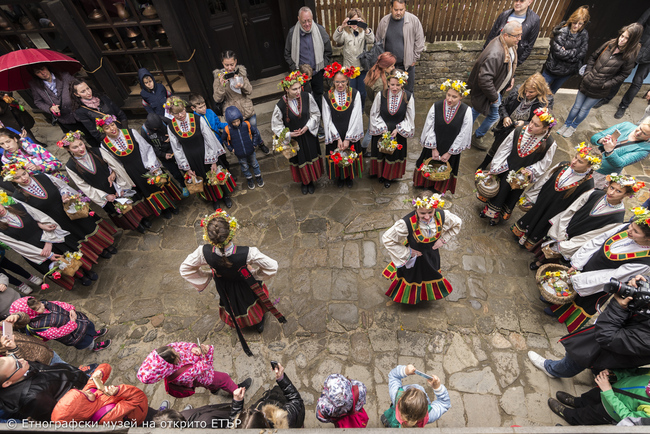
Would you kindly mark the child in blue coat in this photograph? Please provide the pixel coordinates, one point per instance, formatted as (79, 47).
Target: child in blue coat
(239, 136)
(199, 107)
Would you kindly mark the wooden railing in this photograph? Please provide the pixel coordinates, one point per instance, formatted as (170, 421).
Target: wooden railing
(442, 20)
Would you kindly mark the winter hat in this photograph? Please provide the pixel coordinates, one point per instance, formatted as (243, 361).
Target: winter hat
(336, 398)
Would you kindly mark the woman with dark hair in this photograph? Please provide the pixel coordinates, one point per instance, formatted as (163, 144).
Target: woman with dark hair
(568, 49)
(232, 87)
(281, 407)
(517, 109)
(51, 93)
(298, 111)
(87, 107)
(608, 66)
(375, 82)
(35, 158)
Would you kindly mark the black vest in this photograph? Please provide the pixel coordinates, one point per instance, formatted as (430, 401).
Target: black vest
(583, 222)
(445, 132)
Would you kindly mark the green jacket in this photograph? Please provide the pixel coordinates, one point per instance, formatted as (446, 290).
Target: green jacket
(620, 406)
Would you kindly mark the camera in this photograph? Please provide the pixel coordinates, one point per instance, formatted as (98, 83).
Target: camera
(640, 295)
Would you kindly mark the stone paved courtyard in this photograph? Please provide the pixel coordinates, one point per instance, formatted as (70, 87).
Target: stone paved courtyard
(330, 288)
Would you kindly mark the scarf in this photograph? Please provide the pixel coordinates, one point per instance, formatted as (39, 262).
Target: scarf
(317, 39)
(92, 102)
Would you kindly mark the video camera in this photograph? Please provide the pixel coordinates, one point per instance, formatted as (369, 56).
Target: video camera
(640, 295)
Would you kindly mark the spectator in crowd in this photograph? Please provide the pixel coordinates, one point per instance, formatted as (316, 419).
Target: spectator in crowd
(402, 34)
(341, 402)
(529, 21)
(154, 95)
(309, 47)
(26, 346)
(643, 68)
(8, 295)
(492, 75)
(8, 265)
(568, 49)
(31, 389)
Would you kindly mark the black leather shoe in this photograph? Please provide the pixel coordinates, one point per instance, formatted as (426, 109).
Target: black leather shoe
(260, 325)
(112, 250)
(348, 182)
(141, 229)
(482, 214)
(311, 188)
(246, 383)
(264, 148)
(619, 113)
(105, 254)
(494, 221)
(387, 184)
(566, 399)
(175, 211)
(533, 265)
(166, 214)
(556, 407)
(227, 201)
(340, 183)
(304, 189)
(145, 223)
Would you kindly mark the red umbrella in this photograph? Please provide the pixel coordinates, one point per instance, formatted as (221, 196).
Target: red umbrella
(13, 66)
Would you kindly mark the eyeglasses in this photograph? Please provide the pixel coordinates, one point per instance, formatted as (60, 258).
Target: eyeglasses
(518, 35)
(18, 366)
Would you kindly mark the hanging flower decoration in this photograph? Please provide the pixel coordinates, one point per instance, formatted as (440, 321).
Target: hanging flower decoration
(545, 116)
(434, 201)
(70, 137)
(626, 181)
(334, 68)
(293, 78)
(232, 223)
(458, 85)
(102, 122)
(9, 170)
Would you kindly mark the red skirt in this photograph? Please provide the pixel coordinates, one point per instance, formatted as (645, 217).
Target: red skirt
(389, 170)
(308, 172)
(212, 193)
(131, 220)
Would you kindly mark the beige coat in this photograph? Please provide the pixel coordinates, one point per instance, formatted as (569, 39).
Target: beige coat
(353, 45)
(413, 37)
(229, 97)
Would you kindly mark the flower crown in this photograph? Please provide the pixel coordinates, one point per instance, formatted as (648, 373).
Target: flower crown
(434, 201)
(641, 216)
(174, 101)
(626, 181)
(70, 137)
(458, 85)
(584, 151)
(293, 78)
(106, 120)
(401, 76)
(545, 116)
(5, 199)
(232, 223)
(9, 170)
(334, 68)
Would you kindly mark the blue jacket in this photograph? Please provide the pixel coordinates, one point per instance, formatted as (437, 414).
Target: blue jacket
(152, 100)
(438, 407)
(213, 120)
(240, 139)
(622, 156)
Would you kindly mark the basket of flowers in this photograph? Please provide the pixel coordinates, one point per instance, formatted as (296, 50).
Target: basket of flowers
(518, 180)
(68, 265)
(435, 170)
(193, 183)
(77, 206)
(123, 208)
(344, 158)
(157, 180)
(388, 144)
(554, 281)
(220, 177)
(524, 204)
(283, 144)
(487, 185)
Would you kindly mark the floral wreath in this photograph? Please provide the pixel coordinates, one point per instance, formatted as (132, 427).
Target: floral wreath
(584, 151)
(641, 216)
(106, 120)
(9, 170)
(70, 137)
(434, 201)
(5, 199)
(545, 116)
(293, 78)
(232, 223)
(626, 181)
(458, 85)
(334, 68)
(401, 76)
(174, 101)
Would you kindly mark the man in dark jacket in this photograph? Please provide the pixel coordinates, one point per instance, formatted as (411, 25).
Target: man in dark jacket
(619, 340)
(530, 24)
(492, 75)
(31, 389)
(643, 68)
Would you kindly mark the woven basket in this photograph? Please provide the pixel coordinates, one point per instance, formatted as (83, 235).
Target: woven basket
(553, 297)
(525, 208)
(515, 184)
(435, 175)
(488, 187)
(126, 208)
(80, 214)
(195, 186)
(550, 254)
(72, 267)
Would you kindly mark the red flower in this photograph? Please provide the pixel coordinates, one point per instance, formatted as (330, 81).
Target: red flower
(45, 286)
(91, 213)
(425, 174)
(56, 275)
(399, 148)
(352, 148)
(421, 166)
(221, 176)
(218, 210)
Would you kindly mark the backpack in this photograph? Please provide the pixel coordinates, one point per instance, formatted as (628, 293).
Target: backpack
(176, 390)
(227, 130)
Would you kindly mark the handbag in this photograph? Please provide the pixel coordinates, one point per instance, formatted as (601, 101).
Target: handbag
(354, 419)
(176, 390)
(368, 58)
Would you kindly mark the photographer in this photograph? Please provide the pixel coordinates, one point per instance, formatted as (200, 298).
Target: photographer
(618, 340)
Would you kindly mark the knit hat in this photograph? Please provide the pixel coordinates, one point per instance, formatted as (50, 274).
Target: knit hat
(336, 398)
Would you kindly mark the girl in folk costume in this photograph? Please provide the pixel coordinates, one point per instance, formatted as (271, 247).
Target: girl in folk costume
(558, 189)
(127, 150)
(342, 122)
(36, 158)
(620, 253)
(236, 271)
(593, 213)
(413, 244)
(297, 110)
(37, 238)
(103, 185)
(392, 118)
(197, 149)
(50, 195)
(529, 148)
(446, 133)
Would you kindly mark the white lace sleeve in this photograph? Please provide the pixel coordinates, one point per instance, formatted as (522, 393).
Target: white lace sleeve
(393, 240)
(331, 133)
(314, 117)
(191, 271)
(355, 127)
(213, 148)
(463, 140)
(146, 152)
(263, 266)
(179, 155)
(542, 165)
(499, 162)
(406, 128)
(428, 137)
(377, 125)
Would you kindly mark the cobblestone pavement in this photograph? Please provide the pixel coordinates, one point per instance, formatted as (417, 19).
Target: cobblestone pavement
(331, 290)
